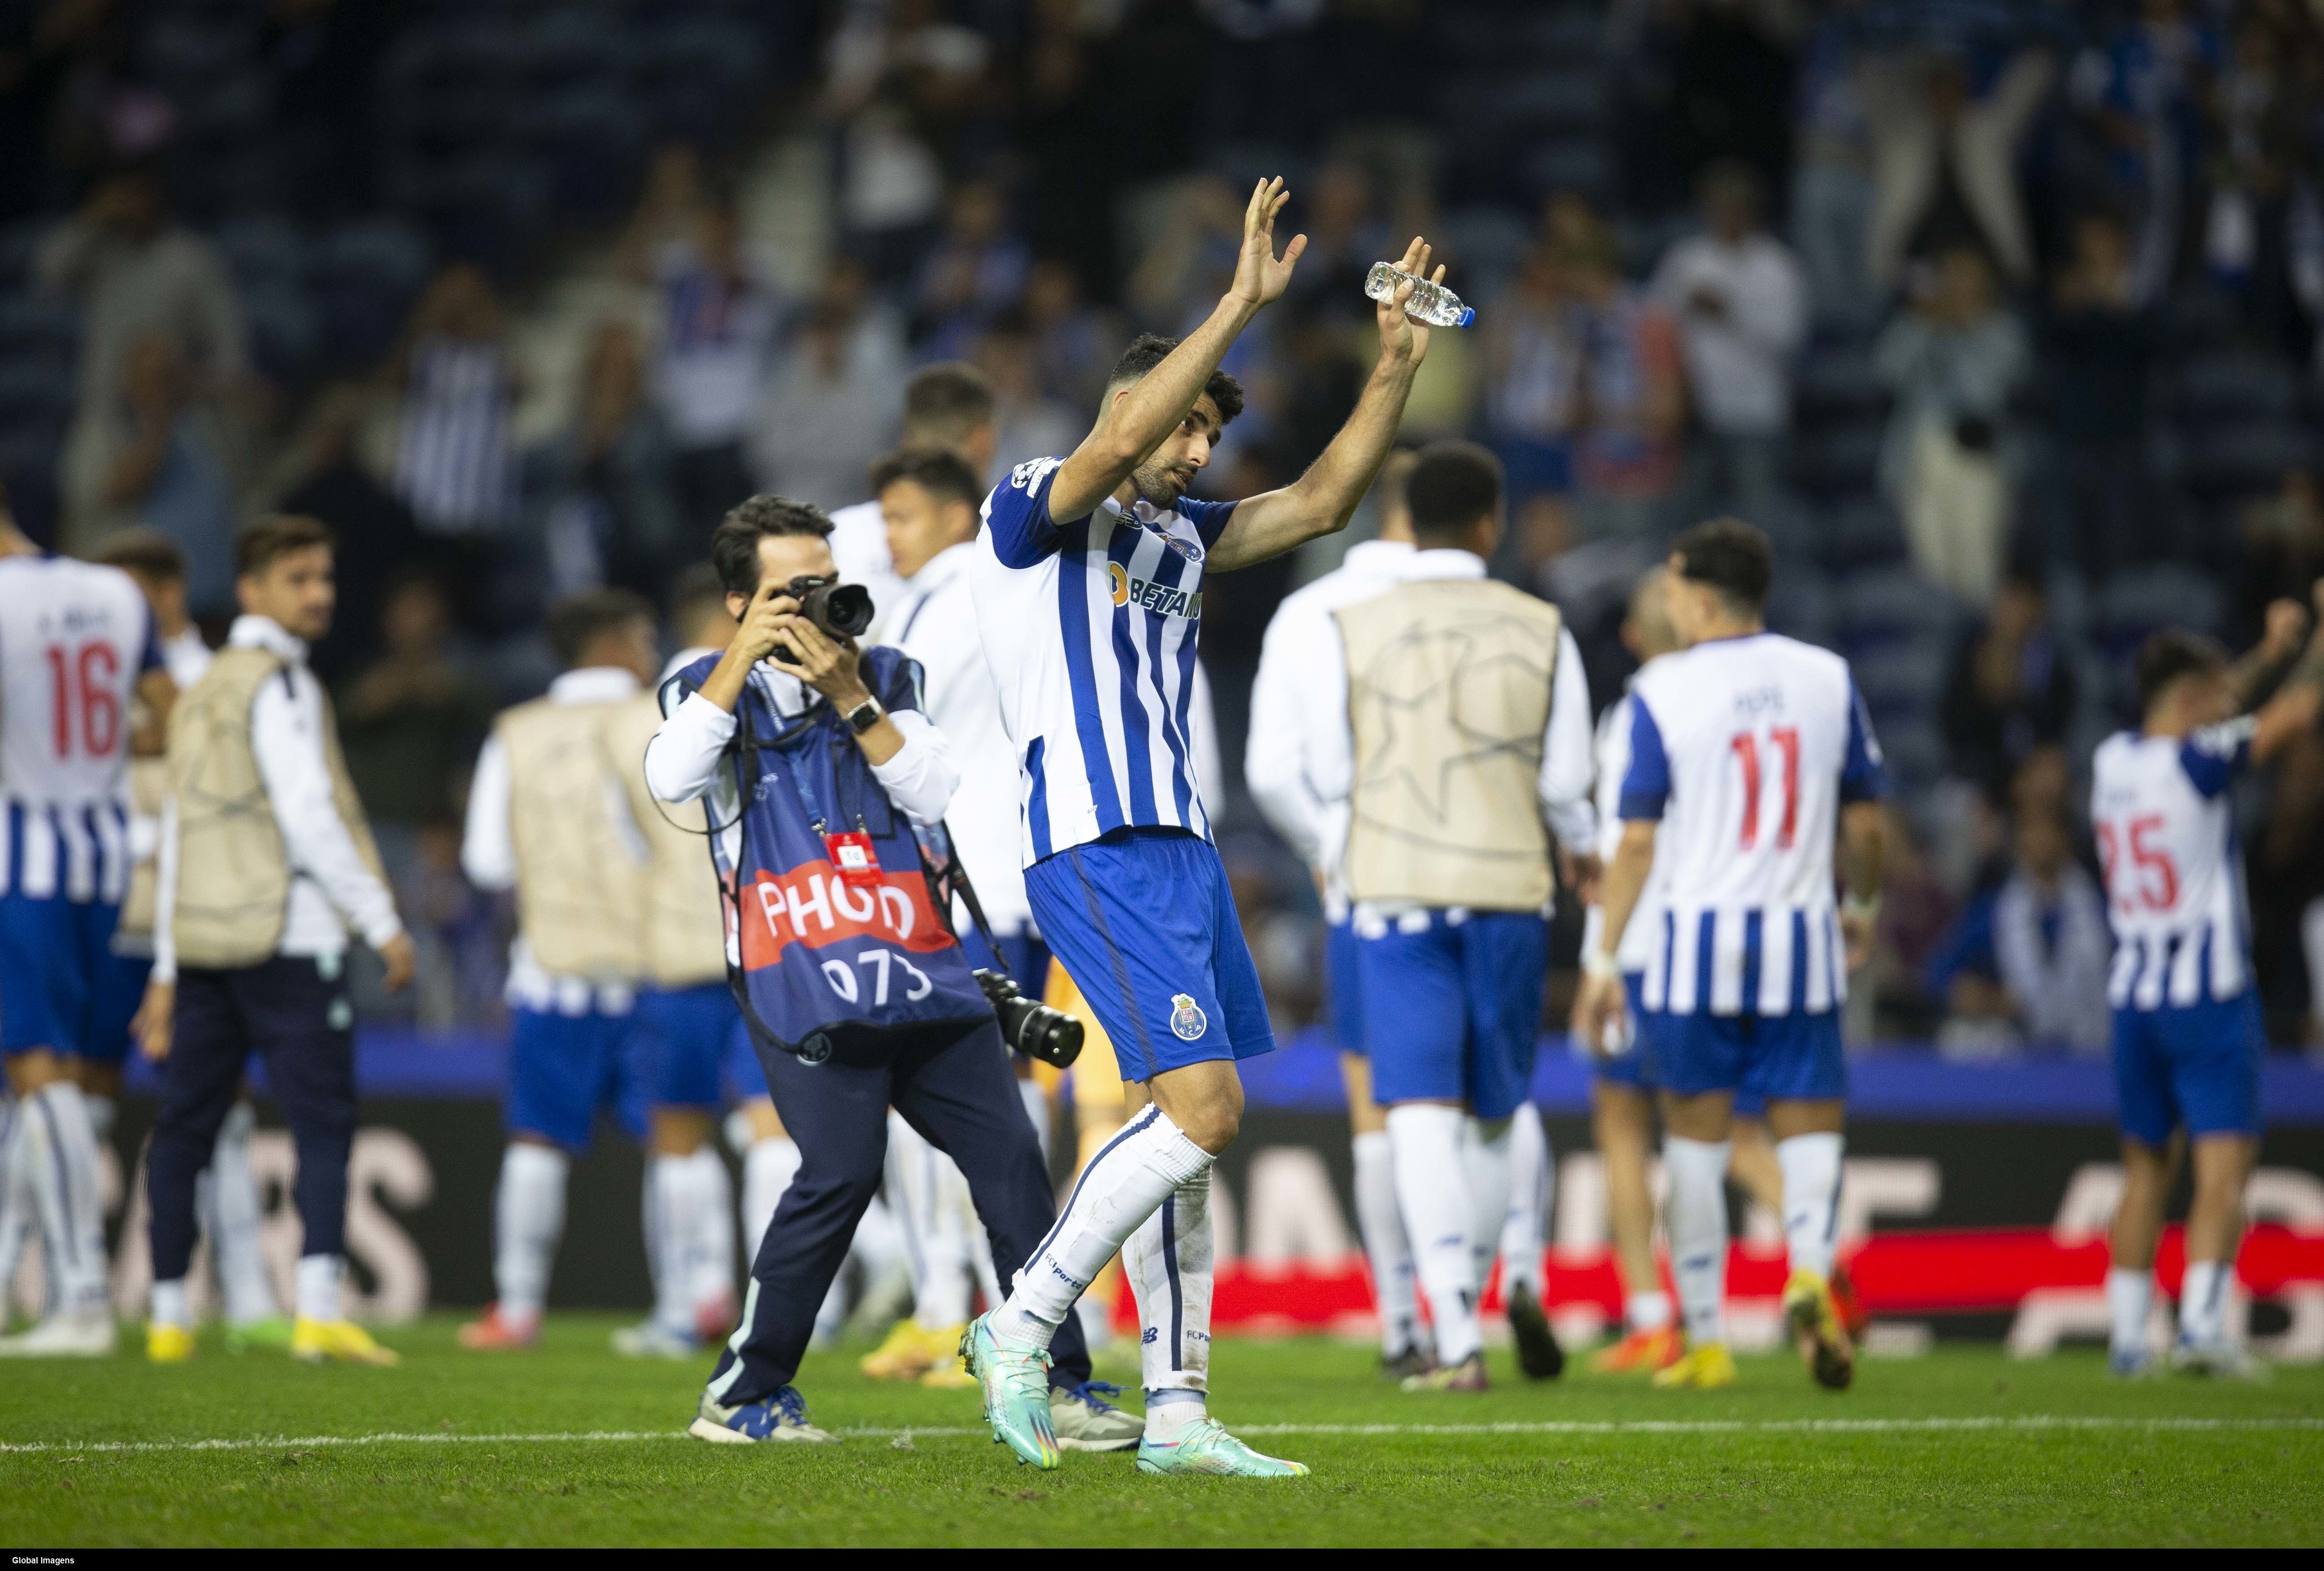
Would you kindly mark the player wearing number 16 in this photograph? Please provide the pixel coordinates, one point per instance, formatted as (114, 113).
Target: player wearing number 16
(818, 770)
(1750, 755)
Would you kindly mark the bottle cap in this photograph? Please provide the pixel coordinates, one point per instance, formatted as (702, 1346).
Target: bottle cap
(1468, 315)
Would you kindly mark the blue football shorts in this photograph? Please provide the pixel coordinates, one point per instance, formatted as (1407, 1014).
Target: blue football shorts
(683, 1034)
(563, 1068)
(62, 985)
(1761, 1058)
(2196, 1066)
(1344, 994)
(1453, 1009)
(1145, 924)
(1630, 1067)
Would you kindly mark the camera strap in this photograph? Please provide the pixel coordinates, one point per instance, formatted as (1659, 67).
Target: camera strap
(953, 879)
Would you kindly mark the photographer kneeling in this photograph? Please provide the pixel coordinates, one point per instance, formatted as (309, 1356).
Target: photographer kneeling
(821, 777)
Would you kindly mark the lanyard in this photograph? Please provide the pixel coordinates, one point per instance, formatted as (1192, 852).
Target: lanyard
(791, 769)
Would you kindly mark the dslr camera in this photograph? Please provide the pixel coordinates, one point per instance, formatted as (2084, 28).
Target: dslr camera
(842, 609)
(1035, 1030)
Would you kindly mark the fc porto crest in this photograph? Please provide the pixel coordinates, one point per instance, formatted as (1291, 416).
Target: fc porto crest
(1188, 1021)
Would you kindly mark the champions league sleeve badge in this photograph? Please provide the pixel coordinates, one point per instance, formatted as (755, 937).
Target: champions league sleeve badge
(1188, 1021)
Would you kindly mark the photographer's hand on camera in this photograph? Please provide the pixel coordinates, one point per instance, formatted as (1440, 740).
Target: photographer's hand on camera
(830, 665)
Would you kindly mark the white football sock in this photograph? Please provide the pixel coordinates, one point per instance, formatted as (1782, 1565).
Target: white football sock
(2203, 1302)
(1394, 1284)
(1432, 1190)
(1123, 1184)
(922, 1183)
(1646, 1311)
(229, 1209)
(1812, 1169)
(1485, 1168)
(1171, 1413)
(172, 1306)
(1696, 1219)
(319, 1287)
(1036, 1109)
(667, 1213)
(56, 1159)
(951, 1245)
(1532, 1173)
(713, 1286)
(528, 1219)
(1169, 1260)
(2130, 1299)
(768, 1168)
(16, 1211)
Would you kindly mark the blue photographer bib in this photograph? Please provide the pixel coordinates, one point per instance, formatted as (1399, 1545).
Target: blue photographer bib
(830, 955)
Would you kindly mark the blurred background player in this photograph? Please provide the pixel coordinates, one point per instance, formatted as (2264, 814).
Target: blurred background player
(2187, 1043)
(1750, 753)
(929, 497)
(1277, 768)
(688, 1030)
(1450, 722)
(1621, 1098)
(266, 860)
(1621, 1094)
(77, 648)
(225, 1196)
(548, 815)
(949, 405)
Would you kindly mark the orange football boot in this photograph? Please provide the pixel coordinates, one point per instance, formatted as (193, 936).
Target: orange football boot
(1642, 1352)
(499, 1333)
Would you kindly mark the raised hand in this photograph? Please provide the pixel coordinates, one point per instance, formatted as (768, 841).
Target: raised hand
(2286, 626)
(1401, 338)
(1260, 278)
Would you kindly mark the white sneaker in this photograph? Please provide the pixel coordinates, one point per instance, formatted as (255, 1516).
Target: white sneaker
(2217, 1361)
(652, 1339)
(66, 1334)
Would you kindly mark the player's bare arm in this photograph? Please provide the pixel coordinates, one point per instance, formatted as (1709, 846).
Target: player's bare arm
(1322, 501)
(1600, 1002)
(2283, 635)
(1141, 416)
(2299, 703)
(156, 693)
(1863, 852)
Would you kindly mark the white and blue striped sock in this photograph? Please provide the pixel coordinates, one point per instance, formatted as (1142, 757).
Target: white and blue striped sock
(1696, 1220)
(1812, 1172)
(1169, 1260)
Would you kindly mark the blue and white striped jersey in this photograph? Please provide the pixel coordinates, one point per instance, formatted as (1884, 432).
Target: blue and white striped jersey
(74, 638)
(1746, 748)
(1091, 626)
(2173, 876)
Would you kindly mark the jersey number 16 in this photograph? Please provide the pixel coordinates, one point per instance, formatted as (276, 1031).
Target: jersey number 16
(82, 684)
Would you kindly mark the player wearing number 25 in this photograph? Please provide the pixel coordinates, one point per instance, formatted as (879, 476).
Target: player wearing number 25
(818, 769)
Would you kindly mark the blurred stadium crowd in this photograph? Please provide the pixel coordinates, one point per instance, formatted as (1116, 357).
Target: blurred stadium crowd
(1999, 315)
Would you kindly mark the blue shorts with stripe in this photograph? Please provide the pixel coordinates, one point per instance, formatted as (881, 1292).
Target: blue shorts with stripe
(563, 1068)
(684, 1035)
(1145, 924)
(2195, 1067)
(1343, 999)
(1761, 1058)
(1453, 1006)
(62, 985)
(1629, 1068)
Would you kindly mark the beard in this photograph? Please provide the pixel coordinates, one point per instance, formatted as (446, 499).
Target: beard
(1160, 483)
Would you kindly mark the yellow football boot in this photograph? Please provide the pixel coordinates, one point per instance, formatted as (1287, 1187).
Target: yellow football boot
(907, 1352)
(337, 1341)
(1704, 1368)
(1812, 1318)
(168, 1344)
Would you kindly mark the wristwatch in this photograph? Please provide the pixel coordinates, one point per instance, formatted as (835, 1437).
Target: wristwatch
(864, 716)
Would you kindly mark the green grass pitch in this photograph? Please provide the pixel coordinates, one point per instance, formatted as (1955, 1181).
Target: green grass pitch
(569, 1445)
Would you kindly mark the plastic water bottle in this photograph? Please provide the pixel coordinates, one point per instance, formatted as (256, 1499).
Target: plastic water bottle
(1431, 303)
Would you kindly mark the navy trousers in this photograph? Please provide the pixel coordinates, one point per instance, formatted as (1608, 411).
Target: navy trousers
(300, 1022)
(957, 1089)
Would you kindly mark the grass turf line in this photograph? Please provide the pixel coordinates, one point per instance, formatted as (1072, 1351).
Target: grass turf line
(1961, 1448)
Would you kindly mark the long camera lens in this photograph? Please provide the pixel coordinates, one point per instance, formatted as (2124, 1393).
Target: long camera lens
(842, 609)
(1035, 1030)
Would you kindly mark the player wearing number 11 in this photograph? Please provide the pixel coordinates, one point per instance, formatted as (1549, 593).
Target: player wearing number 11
(1750, 753)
